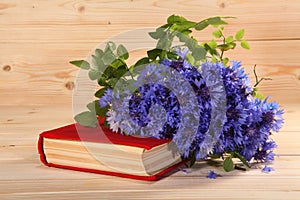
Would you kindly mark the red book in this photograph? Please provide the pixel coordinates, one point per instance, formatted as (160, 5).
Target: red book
(99, 150)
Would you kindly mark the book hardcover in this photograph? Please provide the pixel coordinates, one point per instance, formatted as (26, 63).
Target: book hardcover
(99, 150)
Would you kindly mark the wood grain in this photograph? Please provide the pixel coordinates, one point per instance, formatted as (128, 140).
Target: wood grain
(39, 38)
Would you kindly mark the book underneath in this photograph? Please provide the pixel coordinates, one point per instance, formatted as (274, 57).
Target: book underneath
(102, 151)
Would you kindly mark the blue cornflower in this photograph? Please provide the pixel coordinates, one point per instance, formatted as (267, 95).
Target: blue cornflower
(106, 98)
(267, 169)
(218, 103)
(212, 175)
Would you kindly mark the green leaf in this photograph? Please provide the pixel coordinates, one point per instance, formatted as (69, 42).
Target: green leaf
(100, 92)
(245, 44)
(214, 59)
(120, 71)
(229, 39)
(122, 52)
(157, 34)
(172, 55)
(213, 20)
(226, 47)
(240, 34)
(228, 164)
(225, 61)
(221, 22)
(94, 107)
(217, 34)
(212, 44)
(201, 25)
(165, 42)
(175, 19)
(192, 159)
(182, 26)
(190, 58)
(98, 63)
(142, 61)
(86, 118)
(259, 96)
(99, 53)
(186, 32)
(239, 156)
(215, 156)
(154, 53)
(199, 53)
(112, 82)
(164, 26)
(110, 46)
(109, 72)
(102, 82)
(94, 74)
(101, 111)
(81, 64)
(91, 107)
(117, 63)
(108, 57)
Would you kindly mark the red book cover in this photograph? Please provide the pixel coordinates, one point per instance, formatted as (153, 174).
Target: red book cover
(102, 134)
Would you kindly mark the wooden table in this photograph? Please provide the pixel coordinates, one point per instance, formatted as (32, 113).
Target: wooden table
(39, 38)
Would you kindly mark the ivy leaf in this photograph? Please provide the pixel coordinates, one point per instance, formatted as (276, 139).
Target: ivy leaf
(240, 34)
(81, 64)
(217, 34)
(201, 25)
(245, 44)
(228, 164)
(94, 74)
(87, 118)
(100, 92)
(175, 19)
(122, 52)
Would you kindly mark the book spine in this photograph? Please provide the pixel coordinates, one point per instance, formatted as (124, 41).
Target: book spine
(41, 150)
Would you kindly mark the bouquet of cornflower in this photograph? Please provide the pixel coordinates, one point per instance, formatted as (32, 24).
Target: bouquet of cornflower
(189, 92)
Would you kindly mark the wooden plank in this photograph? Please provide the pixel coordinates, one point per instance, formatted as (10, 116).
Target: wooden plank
(54, 20)
(49, 78)
(58, 183)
